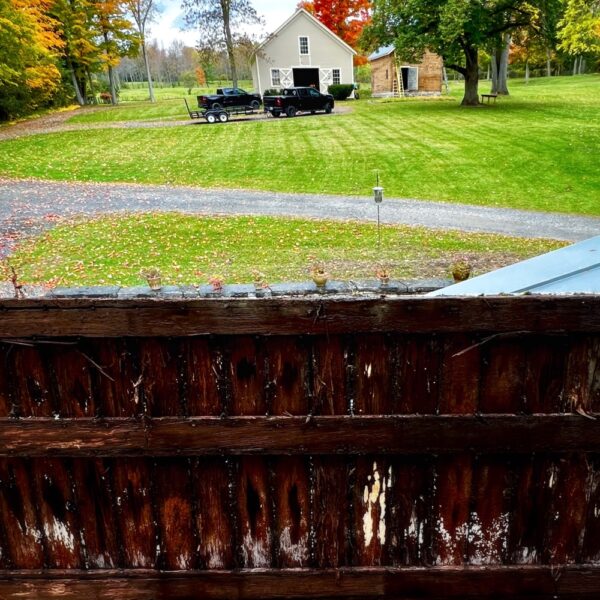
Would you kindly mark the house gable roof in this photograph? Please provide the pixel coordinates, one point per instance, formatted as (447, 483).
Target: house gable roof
(302, 11)
(381, 52)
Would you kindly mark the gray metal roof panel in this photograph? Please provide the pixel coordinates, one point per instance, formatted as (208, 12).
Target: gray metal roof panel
(381, 52)
(571, 270)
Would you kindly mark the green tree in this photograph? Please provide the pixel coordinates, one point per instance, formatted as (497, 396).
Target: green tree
(455, 29)
(579, 30)
(217, 21)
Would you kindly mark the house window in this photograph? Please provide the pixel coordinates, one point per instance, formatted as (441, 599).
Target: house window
(275, 78)
(335, 73)
(387, 74)
(303, 45)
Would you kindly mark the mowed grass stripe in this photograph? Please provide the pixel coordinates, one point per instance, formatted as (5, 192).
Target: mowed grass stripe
(519, 153)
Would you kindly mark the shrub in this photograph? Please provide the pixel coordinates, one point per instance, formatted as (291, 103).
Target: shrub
(272, 92)
(341, 91)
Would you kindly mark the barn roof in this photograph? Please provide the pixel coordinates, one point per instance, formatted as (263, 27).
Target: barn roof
(381, 52)
(571, 270)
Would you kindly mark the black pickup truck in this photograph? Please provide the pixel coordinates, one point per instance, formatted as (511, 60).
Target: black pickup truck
(293, 100)
(226, 97)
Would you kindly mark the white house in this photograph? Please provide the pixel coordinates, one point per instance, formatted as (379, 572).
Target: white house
(302, 52)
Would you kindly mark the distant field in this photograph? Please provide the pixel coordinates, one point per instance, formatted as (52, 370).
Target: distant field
(537, 149)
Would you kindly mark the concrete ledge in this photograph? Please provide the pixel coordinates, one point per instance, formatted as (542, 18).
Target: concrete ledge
(276, 290)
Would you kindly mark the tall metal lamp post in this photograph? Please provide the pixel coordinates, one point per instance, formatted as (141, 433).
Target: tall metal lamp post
(378, 197)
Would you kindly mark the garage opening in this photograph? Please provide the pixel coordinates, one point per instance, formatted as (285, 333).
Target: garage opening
(306, 77)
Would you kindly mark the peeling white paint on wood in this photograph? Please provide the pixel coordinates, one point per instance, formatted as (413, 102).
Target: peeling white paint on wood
(59, 532)
(254, 553)
(296, 553)
(374, 494)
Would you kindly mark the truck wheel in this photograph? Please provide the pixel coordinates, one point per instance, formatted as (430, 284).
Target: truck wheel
(215, 106)
(255, 105)
(328, 108)
(223, 117)
(290, 111)
(211, 118)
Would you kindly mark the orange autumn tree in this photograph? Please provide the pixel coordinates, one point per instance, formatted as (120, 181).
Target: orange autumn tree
(346, 18)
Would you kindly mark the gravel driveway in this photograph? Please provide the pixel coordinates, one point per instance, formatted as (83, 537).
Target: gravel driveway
(27, 206)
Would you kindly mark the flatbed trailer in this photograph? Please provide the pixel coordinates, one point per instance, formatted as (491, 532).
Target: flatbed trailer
(218, 115)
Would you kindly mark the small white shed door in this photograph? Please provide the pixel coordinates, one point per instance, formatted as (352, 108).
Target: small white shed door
(413, 79)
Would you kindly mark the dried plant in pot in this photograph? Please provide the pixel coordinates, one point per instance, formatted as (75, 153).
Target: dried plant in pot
(259, 281)
(319, 275)
(460, 269)
(383, 274)
(216, 281)
(153, 277)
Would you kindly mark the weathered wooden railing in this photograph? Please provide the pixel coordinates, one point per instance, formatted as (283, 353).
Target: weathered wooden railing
(394, 448)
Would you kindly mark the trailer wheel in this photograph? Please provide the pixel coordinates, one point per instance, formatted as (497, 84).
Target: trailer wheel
(255, 105)
(215, 106)
(211, 118)
(328, 108)
(223, 117)
(290, 111)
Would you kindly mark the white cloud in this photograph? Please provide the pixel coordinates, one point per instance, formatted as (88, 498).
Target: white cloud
(168, 25)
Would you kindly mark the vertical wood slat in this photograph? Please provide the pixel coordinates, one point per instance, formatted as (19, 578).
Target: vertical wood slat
(132, 484)
(159, 383)
(248, 378)
(116, 378)
(213, 517)
(56, 505)
(73, 387)
(255, 521)
(201, 378)
(18, 516)
(173, 501)
(96, 512)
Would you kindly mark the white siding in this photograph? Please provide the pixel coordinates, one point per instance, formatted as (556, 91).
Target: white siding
(282, 52)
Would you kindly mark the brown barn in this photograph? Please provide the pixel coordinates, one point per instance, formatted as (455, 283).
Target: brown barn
(390, 77)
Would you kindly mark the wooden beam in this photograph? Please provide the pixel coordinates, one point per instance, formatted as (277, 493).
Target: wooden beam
(406, 434)
(279, 316)
(512, 582)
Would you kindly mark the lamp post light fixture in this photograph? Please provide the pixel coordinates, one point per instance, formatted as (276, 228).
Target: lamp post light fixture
(378, 197)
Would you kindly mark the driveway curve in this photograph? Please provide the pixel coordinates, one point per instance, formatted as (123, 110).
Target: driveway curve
(28, 206)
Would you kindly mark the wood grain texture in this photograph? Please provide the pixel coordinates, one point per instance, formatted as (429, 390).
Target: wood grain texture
(515, 582)
(408, 434)
(289, 316)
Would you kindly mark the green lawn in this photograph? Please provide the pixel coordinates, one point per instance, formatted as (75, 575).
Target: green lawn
(191, 249)
(537, 149)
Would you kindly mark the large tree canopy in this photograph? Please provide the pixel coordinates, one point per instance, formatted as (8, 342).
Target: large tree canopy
(454, 29)
(218, 22)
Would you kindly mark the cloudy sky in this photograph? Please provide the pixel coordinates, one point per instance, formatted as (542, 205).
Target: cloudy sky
(169, 23)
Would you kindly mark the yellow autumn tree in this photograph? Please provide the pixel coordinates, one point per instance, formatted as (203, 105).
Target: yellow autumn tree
(29, 52)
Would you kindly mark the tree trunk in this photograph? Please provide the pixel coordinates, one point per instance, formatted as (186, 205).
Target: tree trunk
(225, 5)
(91, 84)
(500, 67)
(113, 87)
(548, 63)
(527, 71)
(78, 94)
(575, 65)
(471, 75)
(148, 73)
(581, 65)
